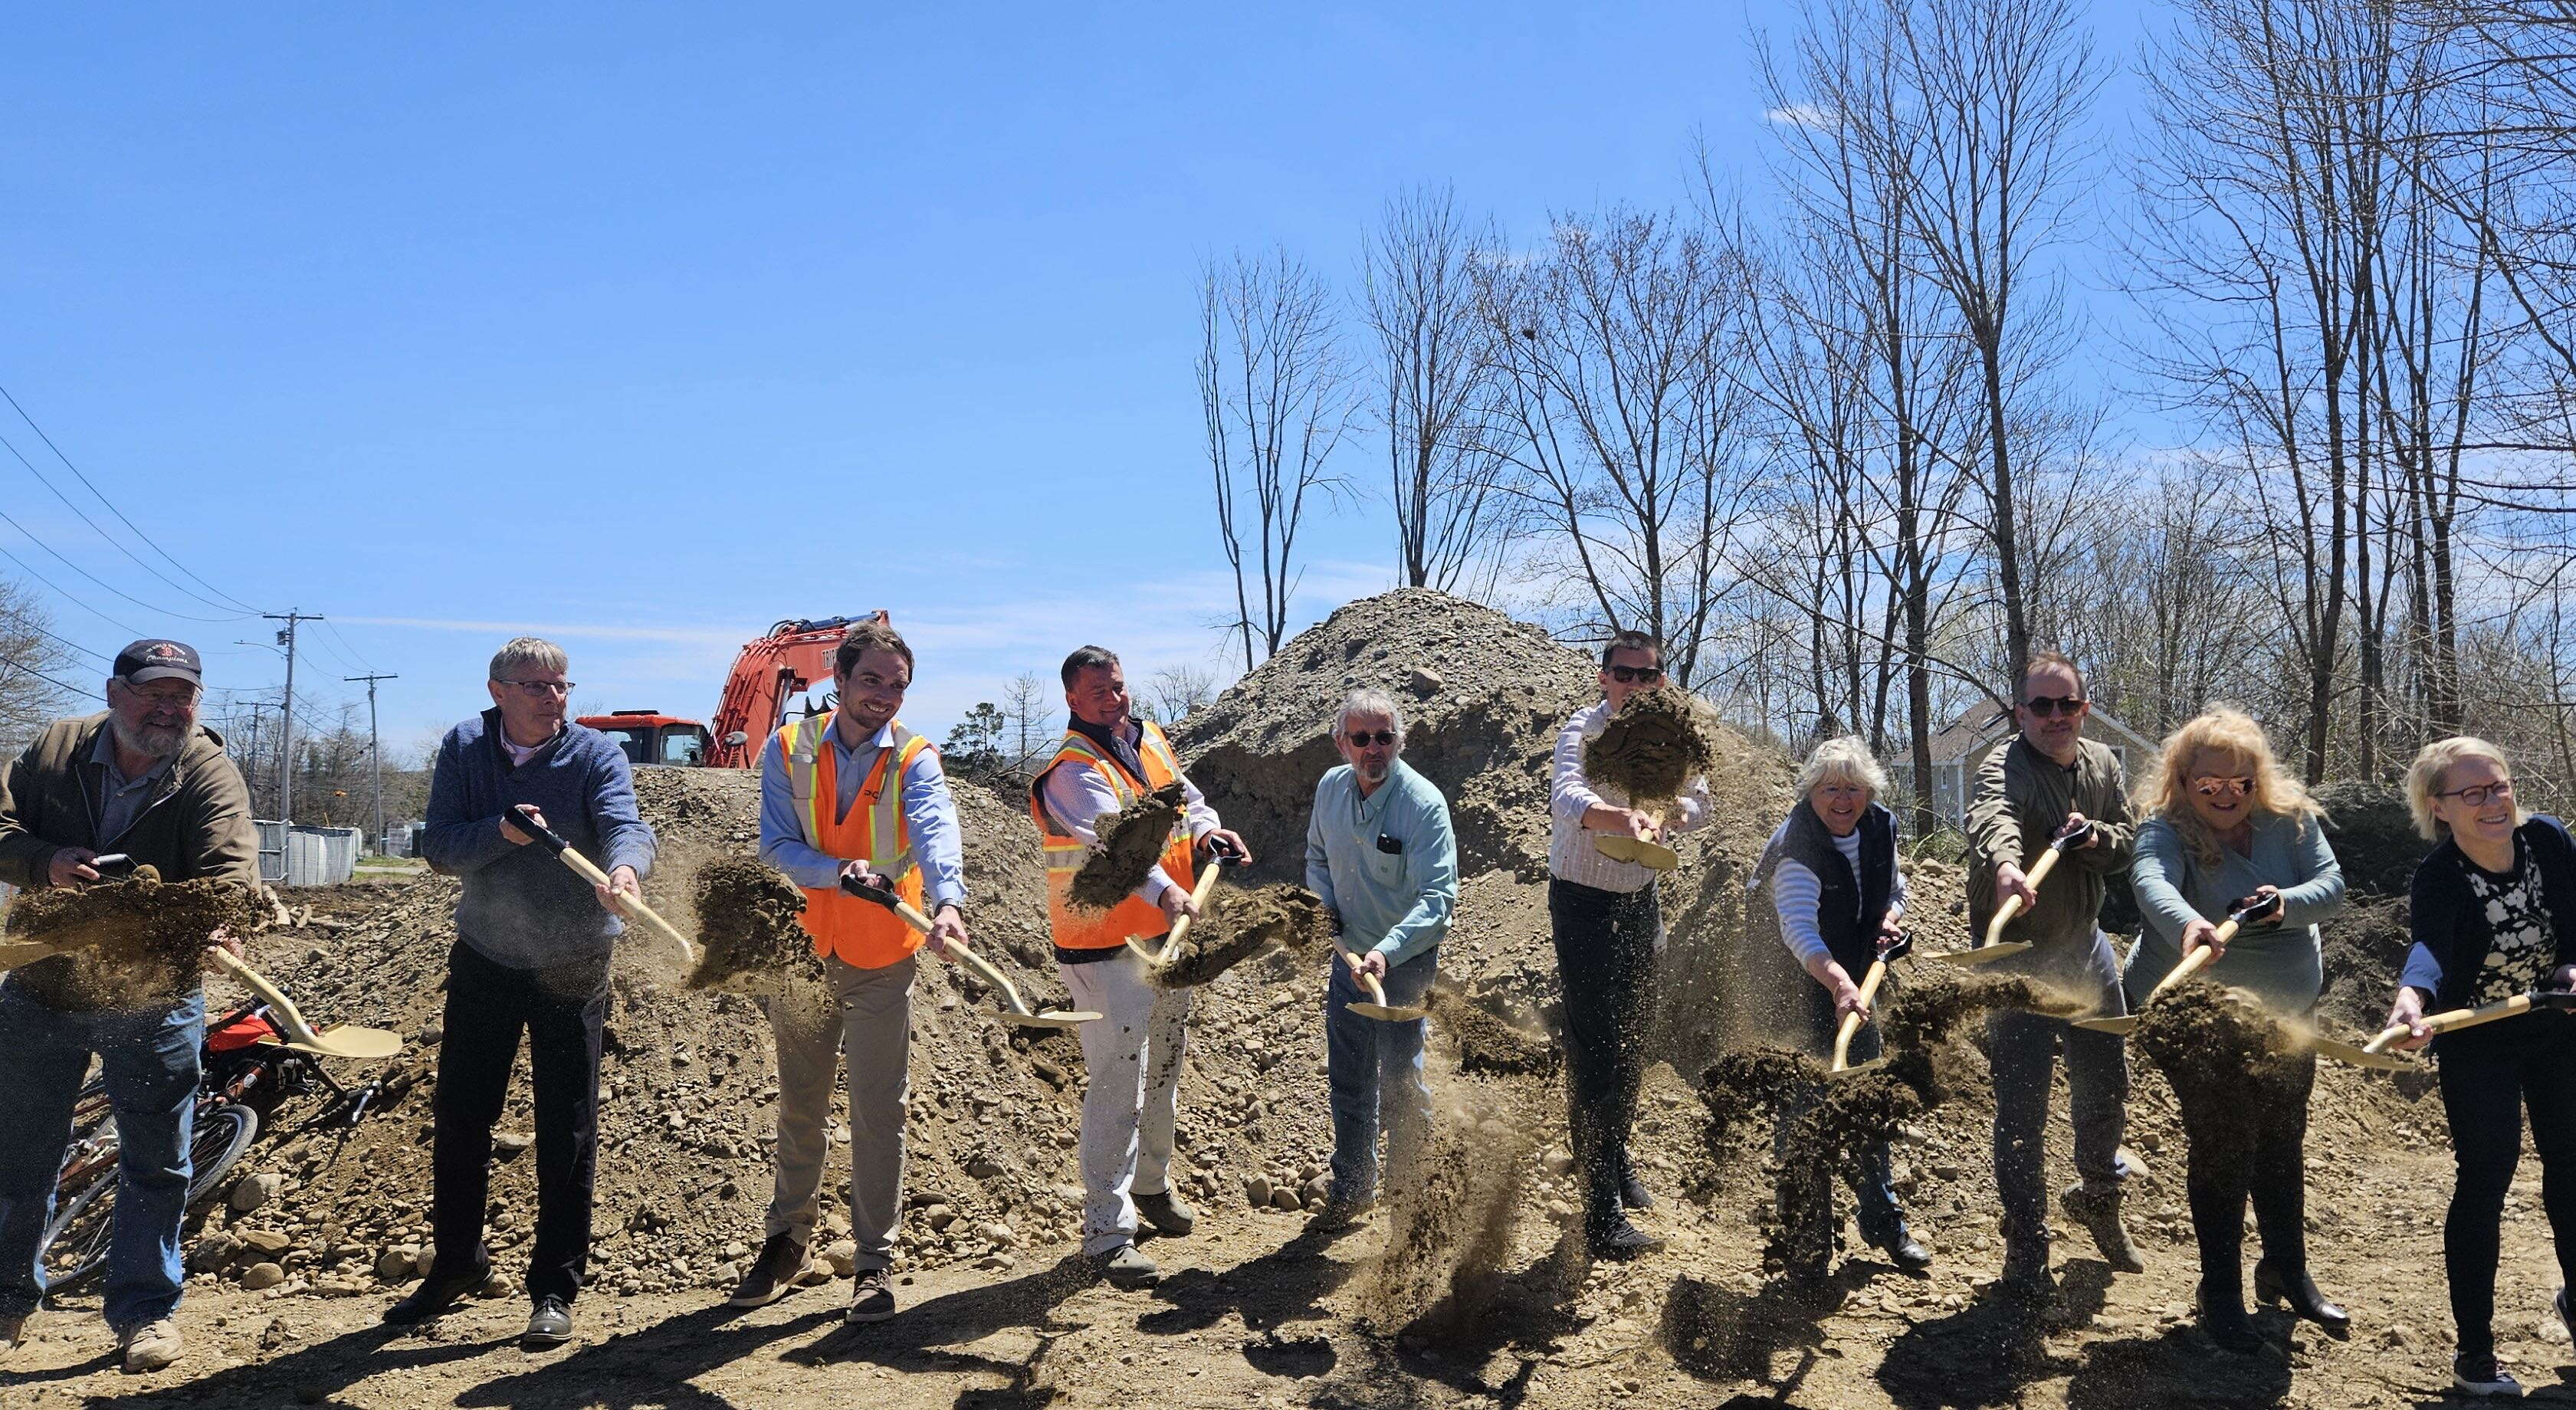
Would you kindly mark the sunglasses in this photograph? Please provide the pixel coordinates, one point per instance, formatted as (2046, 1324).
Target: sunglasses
(1625, 675)
(539, 687)
(2047, 705)
(1361, 739)
(2211, 786)
(2481, 795)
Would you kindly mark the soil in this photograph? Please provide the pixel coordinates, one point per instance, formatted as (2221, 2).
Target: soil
(750, 938)
(2210, 1042)
(1496, 1308)
(1242, 922)
(1655, 745)
(1487, 1042)
(143, 940)
(1131, 842)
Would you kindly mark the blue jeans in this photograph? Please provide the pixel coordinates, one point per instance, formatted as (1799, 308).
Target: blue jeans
(1362, 1056)
(151, 1063)
(2023, 1050)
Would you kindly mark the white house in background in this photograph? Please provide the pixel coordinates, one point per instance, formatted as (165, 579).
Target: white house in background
(1961, 748)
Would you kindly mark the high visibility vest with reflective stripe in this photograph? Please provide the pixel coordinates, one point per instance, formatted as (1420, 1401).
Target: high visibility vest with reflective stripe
(856, 931)
(1078, 927)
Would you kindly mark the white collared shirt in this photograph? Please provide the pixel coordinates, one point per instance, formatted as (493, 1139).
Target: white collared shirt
(1570, 853)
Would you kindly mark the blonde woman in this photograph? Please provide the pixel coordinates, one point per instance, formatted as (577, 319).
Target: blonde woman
(2228, 829)
(2493, 911)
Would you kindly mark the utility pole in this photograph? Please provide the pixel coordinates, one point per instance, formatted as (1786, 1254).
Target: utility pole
(375, 752)
(286, 714)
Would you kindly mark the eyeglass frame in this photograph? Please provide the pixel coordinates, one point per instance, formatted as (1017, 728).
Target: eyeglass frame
(2055, 706)
(563, 688)
(1635, 675)
(2206, 784)
(2501, 788)
(1384, 738)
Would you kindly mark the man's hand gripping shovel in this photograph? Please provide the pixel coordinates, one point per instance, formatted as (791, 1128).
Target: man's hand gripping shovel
(1219, 856)
(524, 818)
(1996, 946)
(1015, 1009)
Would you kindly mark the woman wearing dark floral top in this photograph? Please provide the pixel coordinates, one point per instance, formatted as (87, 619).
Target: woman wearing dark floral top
(2494, 915)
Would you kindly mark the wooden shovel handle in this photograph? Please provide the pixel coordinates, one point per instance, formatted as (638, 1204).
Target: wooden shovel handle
(1377, 991)
(633, 906)
(287, 1013)
(1181, 926)
(2012, 904)
(2196, 961)
(1851, 1021)
(2453, 1021)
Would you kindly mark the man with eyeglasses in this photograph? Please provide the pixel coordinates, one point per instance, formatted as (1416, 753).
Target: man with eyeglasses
(1608, 929)
(1382, 856)
(532, 952)
(2048, 783)
(853, 795)
(142, 779)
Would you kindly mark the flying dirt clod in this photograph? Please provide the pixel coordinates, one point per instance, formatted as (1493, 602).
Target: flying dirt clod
(751, 939)
(141, 939)
(1241, 922)
(1131, 842)
(1655, 745)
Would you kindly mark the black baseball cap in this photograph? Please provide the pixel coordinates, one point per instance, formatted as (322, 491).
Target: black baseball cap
(153, 658)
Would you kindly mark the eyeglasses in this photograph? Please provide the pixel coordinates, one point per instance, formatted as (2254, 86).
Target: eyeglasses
(1361, 739)
(2047, 705)
(2210, 786)
(167, 699)
(539, 687)
(2482, 794)
(1624, 675)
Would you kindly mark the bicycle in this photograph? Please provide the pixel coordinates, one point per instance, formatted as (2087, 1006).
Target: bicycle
(247, 1077)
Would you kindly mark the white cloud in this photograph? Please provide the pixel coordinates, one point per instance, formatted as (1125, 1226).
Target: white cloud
(1798, 115)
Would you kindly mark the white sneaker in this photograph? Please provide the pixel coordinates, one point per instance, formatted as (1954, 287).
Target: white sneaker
(150, 1347)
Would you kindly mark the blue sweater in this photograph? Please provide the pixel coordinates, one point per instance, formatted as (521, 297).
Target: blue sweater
(523, 908)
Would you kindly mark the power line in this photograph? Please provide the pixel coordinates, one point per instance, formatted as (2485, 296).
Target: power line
(363, 663)
(49, 680)
(111, 504)
(93, 577)
(68, 597)
(102, 533)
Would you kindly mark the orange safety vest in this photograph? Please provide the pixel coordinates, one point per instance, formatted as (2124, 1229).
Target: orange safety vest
(852, 929)
(1079, 927)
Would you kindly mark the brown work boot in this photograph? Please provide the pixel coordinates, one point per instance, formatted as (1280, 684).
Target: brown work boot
(2097, 1208)
(783, 1264)
(150, 1347)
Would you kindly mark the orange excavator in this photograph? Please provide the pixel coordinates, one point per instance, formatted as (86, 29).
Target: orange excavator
(795, 655)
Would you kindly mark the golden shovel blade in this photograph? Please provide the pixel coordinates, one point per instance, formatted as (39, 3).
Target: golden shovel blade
(2107, 1025)
(1385, 1014)
(1051, 1018)
(1839, 1073)
(1981, 954)
(2359, 1056)
(1654, 856)
(350, 1041)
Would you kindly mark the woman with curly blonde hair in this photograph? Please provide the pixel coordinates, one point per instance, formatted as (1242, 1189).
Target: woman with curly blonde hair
(2228, 831)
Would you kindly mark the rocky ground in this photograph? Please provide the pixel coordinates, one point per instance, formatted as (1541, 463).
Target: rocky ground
(1462, 1291)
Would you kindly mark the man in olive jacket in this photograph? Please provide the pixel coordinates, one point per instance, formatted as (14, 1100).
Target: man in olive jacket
(146, 780)
(2051, 782)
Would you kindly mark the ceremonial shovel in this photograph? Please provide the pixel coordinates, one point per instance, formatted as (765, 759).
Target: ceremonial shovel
(1644, 851)
(2192, 964)
(1379, 1009)
(1996, 947)
(1171, 946)
(1015, 1009)
(524, 817)
(1889, 952)
(339, 1040)
(2458, 1019)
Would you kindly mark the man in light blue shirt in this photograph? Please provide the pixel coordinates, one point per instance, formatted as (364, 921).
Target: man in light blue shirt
(1382, 856)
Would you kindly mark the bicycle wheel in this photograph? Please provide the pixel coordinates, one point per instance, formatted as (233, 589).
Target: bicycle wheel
(75, 1245)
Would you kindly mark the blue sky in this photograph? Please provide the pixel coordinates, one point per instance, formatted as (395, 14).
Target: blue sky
(644, 326)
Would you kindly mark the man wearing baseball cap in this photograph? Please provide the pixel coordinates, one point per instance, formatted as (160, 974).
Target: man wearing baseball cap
(144, 779)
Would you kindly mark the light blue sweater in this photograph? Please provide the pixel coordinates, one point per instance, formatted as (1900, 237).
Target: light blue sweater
(2280, 964)
(1396, 902)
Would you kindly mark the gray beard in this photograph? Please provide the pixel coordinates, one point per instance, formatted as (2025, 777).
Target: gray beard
(1376, 775)
(149, 741)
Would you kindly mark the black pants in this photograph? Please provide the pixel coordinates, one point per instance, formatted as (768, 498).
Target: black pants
(1605, 961)
(2257, 1148)
(2489, 1075)
(561, 1010)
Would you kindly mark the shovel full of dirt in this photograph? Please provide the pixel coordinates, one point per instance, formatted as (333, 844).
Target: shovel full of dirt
(1888, 953)
(751, 935)
(1015, 1009)
(1651, 750)
(1238, 923)
(132, 938)
(1159, 955)
(1130, 843)
(2192, 964)
(1996, 947)
(524, 817)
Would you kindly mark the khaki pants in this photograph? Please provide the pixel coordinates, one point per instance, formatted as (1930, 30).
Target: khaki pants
(864, 1016)
(1132, 1063)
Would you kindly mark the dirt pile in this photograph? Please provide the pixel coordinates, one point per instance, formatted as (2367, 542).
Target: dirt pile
(141, 941)
(1130, 843)
(2373, 836)
(1653, 747)
(750, 938)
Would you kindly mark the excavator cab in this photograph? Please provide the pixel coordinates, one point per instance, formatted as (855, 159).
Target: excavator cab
(652, 738)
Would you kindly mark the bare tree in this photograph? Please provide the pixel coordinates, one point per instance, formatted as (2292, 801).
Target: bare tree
(40, 676)
(1623, 421)
(1180, 689)
(1435, 386)
(1026, 705)
(1276, 395)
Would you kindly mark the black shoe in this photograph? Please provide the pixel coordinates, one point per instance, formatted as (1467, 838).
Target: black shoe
(1904, 1250)
(873, 1299)
(2480, 1375)
(1624, 1240)
(1168, 1213)
(1632, 1192)
(783, 1263)
(2222, 1315)
(436, 1294)
(2300, 1292)
(549, 1325)
(2025, 1273)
